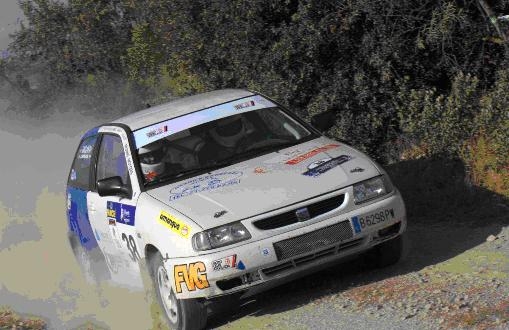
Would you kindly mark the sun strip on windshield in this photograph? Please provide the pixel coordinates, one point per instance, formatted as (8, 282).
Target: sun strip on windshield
(166, 128)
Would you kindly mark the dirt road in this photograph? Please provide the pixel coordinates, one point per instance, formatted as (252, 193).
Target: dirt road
(450, 276)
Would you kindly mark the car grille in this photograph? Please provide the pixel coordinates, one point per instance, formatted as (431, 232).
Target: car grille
(314, 240)
(308, 258)
(290, 217)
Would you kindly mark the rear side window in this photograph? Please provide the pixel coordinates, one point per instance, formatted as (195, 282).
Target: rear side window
(80, 171)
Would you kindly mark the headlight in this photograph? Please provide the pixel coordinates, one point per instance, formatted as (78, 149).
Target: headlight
(220, 236)
(371, 189)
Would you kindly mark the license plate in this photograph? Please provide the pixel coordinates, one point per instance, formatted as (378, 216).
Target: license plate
(362, 222)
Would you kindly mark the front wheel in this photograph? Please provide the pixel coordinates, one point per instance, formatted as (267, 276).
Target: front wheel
(188, 314)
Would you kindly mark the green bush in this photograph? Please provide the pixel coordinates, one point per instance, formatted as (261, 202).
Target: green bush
(441, 122)
(391, 69)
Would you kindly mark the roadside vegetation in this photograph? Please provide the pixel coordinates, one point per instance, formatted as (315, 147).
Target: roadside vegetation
(407, 81)
(422, 86)
(11, 320)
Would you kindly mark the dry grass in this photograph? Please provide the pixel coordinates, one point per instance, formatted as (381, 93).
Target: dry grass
(487, 166)
(11, 320)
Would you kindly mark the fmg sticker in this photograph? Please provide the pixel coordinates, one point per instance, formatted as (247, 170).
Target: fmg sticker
(194, 276)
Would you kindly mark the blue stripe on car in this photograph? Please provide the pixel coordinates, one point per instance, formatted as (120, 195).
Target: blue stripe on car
(79, 223)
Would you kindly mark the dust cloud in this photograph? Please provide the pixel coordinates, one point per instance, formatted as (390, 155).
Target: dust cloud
(38, 272)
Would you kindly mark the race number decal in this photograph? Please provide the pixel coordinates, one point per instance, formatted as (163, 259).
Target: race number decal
(225, 263)
(193, 275)
(131, 246)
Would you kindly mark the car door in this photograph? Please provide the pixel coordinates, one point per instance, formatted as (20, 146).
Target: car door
(113, 217)
(78, 185)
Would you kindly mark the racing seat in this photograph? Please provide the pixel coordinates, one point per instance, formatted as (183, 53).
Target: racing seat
(184, 151)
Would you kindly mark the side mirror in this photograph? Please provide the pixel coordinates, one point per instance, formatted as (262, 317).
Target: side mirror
(323, 121)
(113, 187)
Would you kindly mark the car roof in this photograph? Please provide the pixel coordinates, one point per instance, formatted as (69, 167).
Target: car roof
(180, 107)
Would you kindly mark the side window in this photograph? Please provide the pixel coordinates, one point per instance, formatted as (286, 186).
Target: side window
(111, 160)
(80, 171)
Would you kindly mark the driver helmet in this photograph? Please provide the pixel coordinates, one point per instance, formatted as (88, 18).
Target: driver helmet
(229, 131)
(151, 159)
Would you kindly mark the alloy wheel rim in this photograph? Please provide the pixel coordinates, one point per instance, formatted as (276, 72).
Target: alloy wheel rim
(167, 296)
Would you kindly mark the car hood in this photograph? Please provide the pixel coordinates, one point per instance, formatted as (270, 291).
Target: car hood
(267, 182)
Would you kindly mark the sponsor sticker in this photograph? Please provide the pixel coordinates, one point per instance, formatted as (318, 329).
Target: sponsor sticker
(193, 275)
(121, 213)
(174, 224)
(85, 152)
(130, 166)
(324, 165)
(146, 135)
(205, 183)
(311, 153)
(361, 222)
(243, 105)
(73, 175)
(260, 170)
(158, 131)
(224, 263)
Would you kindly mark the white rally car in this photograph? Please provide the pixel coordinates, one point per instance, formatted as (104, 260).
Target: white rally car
(224, 193)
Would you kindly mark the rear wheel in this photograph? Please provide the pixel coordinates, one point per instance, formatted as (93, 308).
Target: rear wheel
(180, 313)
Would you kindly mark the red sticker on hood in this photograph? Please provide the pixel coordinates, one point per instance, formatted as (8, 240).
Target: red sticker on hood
(310, 154)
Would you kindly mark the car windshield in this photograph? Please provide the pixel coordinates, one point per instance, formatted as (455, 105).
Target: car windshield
(214, 143)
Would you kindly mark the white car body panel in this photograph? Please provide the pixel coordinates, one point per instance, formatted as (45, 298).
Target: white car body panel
(167, 217)
(255, 193)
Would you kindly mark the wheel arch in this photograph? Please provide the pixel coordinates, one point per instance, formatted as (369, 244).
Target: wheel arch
(150, 251)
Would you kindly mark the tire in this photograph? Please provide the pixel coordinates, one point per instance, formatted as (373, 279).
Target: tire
(181, 314)
(387, 253)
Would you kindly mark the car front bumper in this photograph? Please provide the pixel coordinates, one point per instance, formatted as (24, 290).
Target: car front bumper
(262, 264)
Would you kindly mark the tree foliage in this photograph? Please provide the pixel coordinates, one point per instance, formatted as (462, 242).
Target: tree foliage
(388, 67)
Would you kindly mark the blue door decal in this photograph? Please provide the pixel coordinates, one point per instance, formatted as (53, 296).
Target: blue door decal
(77, 214)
